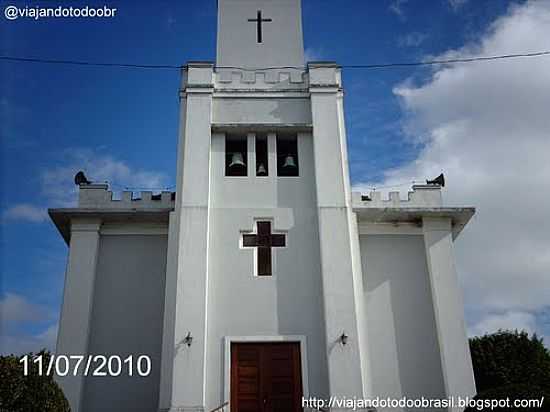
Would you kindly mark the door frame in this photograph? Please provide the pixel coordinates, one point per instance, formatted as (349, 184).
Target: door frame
(228, 340)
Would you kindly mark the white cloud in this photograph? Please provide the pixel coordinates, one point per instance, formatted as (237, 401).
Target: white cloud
(17, 313)
(413, 39)
(16, 308)
(396, 7)
(58, 182)
(25, 212)
(457, 4)
(487, 125)
(58, 188)
(506, 321)
(21, 344)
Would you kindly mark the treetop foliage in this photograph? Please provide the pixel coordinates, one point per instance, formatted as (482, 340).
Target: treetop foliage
(31, 393)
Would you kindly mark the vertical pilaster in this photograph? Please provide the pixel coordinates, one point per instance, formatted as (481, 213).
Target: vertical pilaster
(76, 313)
(168, 330)
(272, 155)
(188, 375)
(331, 177)
(456, 362)
(251, 154)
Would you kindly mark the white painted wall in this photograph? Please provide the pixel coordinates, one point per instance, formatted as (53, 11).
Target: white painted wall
(290, 301)
(127, 313)
(188, 382)
(402, 345)
(261, 111)
(78, 296)
(335, 232)
(448, 308)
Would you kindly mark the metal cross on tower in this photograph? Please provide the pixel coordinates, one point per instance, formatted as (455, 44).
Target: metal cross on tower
(259, 20)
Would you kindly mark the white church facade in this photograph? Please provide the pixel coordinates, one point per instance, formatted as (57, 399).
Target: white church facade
(263, 279)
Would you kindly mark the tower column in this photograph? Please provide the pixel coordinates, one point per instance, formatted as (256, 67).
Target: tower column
(333, 196)
(456, 362)
(76, 313)
(191, 224)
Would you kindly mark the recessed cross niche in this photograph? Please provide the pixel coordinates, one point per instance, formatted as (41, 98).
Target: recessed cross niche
(264, 240)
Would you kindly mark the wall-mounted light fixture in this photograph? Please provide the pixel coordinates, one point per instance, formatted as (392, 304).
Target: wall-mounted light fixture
(344, 338)
(188, 339)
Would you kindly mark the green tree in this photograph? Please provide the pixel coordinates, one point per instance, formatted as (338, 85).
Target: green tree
(31, 393)
(511, 365)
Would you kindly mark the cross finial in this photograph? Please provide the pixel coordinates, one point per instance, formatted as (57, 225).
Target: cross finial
(259, 20)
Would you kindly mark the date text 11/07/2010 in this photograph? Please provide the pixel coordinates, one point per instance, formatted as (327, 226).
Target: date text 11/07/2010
(90, 365)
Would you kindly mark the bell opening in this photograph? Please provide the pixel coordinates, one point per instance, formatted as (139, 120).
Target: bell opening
(287, 155)
(261, 156)
(235, 156)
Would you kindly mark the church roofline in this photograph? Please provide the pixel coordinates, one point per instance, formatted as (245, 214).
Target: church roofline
(321, 63)
(199, 63)
(62, 217)
(424, 201)
(98, 196)
(459, 216)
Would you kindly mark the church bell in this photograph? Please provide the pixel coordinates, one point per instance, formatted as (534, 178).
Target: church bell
(237, 160)
(261, 170)
(289, 162)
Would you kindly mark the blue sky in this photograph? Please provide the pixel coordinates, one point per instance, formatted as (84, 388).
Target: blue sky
(121, 125)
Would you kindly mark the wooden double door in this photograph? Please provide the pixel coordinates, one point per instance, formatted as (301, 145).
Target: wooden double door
(266, 377)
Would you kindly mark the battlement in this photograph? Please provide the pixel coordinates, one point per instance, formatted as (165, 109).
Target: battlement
(98, 196)
(422, 196)
(324, 75)
(203, 76)
(265, 79)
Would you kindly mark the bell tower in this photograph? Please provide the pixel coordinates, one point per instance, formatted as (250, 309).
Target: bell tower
(260, 245)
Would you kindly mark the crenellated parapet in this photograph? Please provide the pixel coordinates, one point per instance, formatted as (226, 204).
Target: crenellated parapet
(200, 77)
(424, 202)
(318, 75)
(422, 196)
(324, 77)
(260, 79)
(98, 196)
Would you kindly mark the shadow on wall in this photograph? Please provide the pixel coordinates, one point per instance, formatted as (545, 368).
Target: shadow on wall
(299, 283)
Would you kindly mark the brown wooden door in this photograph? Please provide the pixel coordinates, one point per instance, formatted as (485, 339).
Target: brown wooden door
(266, 377)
